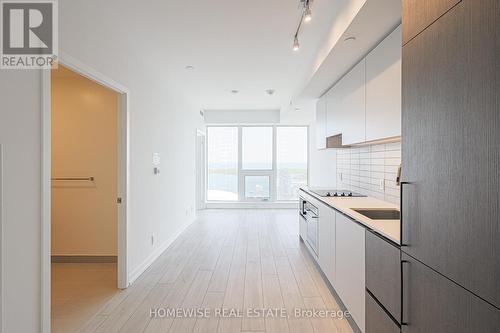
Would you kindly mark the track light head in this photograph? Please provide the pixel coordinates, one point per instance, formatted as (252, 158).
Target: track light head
(307, 15)
(296, 45)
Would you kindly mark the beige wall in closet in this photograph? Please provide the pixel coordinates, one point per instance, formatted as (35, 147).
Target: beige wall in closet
(84, 144)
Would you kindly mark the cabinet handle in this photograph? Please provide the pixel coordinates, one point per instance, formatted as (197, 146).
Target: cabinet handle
(403, 243)
(404, 322)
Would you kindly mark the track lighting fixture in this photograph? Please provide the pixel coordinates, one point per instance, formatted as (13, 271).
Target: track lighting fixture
(306, 16)
(296, 45)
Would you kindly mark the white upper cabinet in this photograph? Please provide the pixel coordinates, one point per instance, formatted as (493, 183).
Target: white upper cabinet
(333, 111)
(365, 104)
(352, 101)
(321, 123)
(383, 89)
(346, 106)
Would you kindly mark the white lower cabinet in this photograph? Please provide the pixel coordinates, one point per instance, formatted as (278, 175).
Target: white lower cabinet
(352, 101)
(341, 256)
(350, 266)
(327, 242)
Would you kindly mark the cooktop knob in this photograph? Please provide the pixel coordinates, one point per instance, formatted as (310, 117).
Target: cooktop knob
(342, 194)
(335, 194)
(349, 194)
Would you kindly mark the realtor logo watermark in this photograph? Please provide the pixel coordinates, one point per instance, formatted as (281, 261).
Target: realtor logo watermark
(29, 34)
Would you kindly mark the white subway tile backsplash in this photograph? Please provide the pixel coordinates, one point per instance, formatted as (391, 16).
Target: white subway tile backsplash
(393, 154)
(377, 148)
(391, 169)
(361, 169)
(377, 154)
(393, 161)
(393, 146)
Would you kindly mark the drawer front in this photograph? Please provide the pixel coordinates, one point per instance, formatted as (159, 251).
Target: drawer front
(433, 303)
(377, 320)
(419, 14)
(383, 273)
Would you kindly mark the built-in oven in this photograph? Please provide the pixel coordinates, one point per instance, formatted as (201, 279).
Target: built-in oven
(311, 215)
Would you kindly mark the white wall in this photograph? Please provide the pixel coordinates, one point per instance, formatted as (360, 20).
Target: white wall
(161, 120)
(20, 136)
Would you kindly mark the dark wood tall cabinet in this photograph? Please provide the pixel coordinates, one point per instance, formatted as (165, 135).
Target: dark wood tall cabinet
(419, 14)
(451, 150)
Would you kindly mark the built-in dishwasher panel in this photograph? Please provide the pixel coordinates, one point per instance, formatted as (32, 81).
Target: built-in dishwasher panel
(311, 214)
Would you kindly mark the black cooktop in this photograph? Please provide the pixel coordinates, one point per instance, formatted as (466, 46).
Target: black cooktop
(336, 193)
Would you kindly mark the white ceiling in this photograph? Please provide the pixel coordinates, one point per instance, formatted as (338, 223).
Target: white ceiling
(245, 45)
(233, 44)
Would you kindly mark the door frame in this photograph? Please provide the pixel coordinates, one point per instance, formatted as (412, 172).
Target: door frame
(123, 177)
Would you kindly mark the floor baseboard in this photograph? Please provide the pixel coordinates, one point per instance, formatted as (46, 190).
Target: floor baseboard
(84, 259)
(155, 254)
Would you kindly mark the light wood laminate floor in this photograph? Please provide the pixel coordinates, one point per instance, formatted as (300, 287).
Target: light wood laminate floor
(227, 259)
(78, 292)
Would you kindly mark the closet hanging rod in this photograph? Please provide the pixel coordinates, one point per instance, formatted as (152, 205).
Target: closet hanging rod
(88, 179)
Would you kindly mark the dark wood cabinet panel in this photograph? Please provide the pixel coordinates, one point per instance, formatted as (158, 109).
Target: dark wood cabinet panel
(419, 14)
(377, 320)
(383, 273)
(435, 304)
(451, 147)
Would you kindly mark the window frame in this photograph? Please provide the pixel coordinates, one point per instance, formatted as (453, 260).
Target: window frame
(273, 173)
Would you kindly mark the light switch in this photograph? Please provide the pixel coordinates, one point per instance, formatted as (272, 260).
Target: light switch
(156, 163)
(156, 159)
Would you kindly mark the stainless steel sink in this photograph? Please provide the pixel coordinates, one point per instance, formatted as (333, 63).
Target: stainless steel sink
(379, 214)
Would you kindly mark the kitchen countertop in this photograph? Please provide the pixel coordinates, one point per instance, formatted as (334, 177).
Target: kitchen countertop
(387, 228)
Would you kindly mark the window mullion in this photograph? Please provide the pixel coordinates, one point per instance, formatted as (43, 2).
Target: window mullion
(274, 178)
(241, 184)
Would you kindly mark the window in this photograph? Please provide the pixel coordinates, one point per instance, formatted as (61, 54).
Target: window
(291, 161)
(257, 148)
(257, 187)
(256, 163)
(222, 164)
